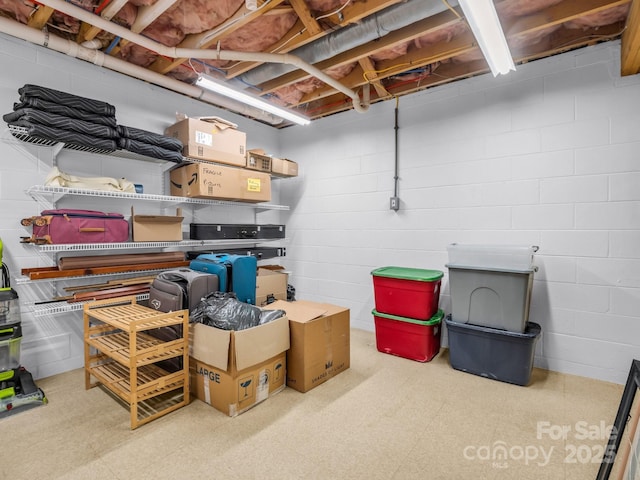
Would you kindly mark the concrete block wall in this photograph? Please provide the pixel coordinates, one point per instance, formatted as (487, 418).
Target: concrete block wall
(54, 343)
(546, 156)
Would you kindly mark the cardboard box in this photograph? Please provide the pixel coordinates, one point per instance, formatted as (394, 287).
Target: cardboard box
(271, 282)
(320, 349)
(233, 371)
(281, 167)
(157, 228)
(258, 161)
(203, 180)
(210, 138)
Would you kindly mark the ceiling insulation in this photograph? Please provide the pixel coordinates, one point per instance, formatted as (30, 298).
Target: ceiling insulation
(388, 47)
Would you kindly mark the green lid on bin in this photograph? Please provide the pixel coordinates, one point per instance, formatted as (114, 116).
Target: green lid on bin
(404, 273)
(436, 319)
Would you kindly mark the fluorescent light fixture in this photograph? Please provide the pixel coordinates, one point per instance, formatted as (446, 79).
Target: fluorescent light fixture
(483, 20)
(251, 100)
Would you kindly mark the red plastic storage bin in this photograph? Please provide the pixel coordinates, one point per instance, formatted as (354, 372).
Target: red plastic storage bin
(407, 292)
(406, 337)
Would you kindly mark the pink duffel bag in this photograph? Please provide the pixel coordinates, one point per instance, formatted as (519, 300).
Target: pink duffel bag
(76, 226)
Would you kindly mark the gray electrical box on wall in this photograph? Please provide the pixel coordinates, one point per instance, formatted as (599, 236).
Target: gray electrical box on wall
(394, 203)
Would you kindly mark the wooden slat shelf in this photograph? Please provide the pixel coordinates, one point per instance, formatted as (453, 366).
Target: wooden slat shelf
(148, 349)
(152, 380)
(133, 317)
(120, 356)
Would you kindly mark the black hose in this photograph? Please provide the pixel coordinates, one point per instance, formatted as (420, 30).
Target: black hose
(6, 278)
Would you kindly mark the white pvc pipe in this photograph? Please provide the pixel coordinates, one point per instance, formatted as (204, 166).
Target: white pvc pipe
(176, 52)
(148, 13)
(38, 37)
(92, 44)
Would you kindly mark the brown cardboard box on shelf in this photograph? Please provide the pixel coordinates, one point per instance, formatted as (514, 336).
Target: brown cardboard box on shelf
(282, 167)
(157, 228)
(233, 371)
(258, 160)
(320, 348)
(208, 180)
(271, 282)
(210, 138)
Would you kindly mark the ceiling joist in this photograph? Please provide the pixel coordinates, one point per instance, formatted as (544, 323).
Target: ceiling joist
(630, 62)
(424, 53)
(40, 17)
(89, 32)
(416, 58)
(310, 23)
(352, 13)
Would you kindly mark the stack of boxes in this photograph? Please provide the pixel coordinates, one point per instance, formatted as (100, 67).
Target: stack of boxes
(489, 330)
(236, 370)
(233, 174)
(407, 318)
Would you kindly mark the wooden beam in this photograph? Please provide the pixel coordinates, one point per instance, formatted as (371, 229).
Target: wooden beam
(630, 52)
(462, 44)
(565, 39)
(89, 32)
(370, 74)
(559, 14)
(356, 11)
(388, 68)
(305, 16)
(417, 57)
(562, 40)
(352, 13)
(41, 16)
(392, 39)
(444, 73)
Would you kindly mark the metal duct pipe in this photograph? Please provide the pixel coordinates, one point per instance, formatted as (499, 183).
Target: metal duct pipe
(176, 52)
(369, 29)
(38, 37)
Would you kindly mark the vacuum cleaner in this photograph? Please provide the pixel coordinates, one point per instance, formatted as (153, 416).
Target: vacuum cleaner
(18, 391)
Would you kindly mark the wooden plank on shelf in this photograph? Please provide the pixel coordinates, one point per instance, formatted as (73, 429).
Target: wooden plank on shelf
(112, 293)
(53, 272)
(111, 284)
(89, 261)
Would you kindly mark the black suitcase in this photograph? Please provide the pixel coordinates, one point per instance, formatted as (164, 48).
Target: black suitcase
(212, 231)
(261, 253)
